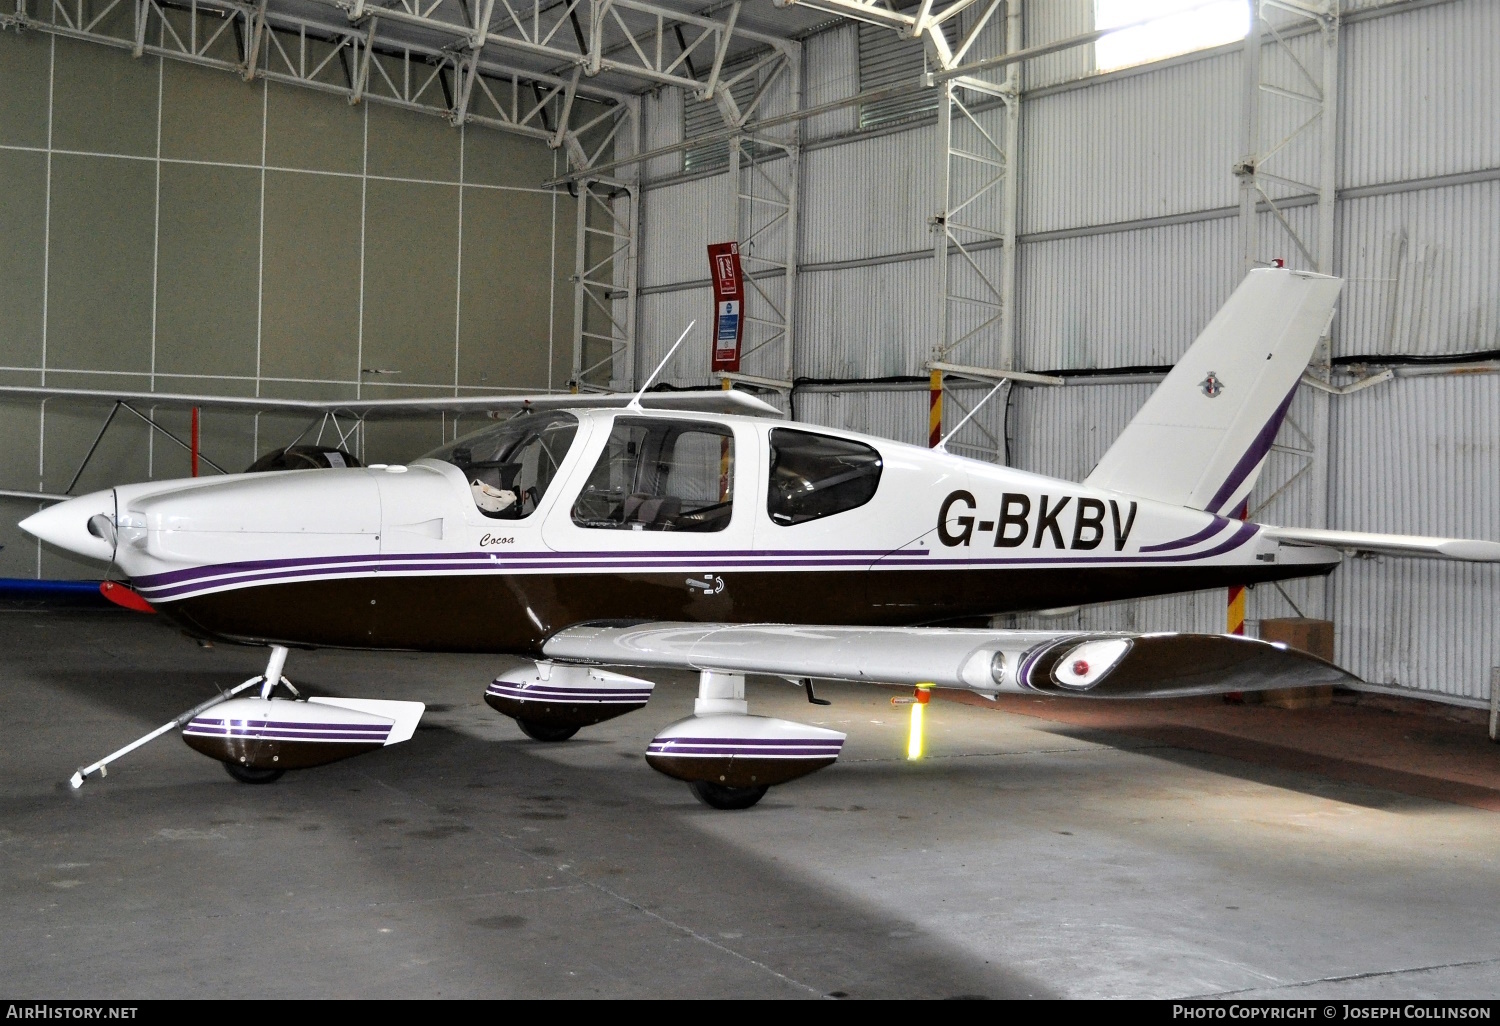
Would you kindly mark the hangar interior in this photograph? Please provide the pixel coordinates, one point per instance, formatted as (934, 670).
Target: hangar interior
(302, 200)
(345, 199)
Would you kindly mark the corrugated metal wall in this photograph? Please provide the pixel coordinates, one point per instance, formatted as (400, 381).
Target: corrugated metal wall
(1099, 288)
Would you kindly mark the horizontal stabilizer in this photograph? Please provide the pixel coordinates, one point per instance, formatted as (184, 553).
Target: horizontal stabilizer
(1201, 438)
(1389, 544)
(1072, 663)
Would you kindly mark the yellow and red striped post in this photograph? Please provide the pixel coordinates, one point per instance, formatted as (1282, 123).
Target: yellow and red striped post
(1236, 618)
(1237, 591)
(1236, 609)
(935, 409)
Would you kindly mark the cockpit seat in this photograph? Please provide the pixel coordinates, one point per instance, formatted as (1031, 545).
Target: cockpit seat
(651, 511)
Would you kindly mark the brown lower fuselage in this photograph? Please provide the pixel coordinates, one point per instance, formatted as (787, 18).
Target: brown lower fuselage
(517, 613)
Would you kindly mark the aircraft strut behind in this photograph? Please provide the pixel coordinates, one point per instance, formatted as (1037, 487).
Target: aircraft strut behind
(730, 543)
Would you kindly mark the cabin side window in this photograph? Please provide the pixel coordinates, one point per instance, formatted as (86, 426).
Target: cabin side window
(815, 476)
(660, 475)
(510, 466)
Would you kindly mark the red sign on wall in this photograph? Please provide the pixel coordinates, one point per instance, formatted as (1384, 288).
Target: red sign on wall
(729, 304)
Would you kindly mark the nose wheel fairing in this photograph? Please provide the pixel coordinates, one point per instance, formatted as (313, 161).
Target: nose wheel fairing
(281, 734)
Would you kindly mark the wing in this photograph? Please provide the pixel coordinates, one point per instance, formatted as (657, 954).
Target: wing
(707, 401)
(1390, 544)
(1090, 665)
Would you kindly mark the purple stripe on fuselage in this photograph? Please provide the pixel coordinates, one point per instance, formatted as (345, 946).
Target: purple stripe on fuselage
(653, 565)
(1259, 446)
(250, 566)
(1215, 526)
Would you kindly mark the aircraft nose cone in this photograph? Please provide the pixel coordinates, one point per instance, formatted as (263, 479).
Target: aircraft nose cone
(66, 525)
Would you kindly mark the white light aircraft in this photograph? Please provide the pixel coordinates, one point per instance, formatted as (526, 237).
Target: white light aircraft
(701, 532)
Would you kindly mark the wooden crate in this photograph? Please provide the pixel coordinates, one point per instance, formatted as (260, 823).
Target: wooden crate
(1306, 635)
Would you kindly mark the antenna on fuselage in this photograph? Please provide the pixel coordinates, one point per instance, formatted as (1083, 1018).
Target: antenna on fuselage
(942, 445)
(635, 404)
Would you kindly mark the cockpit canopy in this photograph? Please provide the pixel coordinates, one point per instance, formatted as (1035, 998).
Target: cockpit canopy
(511, 465)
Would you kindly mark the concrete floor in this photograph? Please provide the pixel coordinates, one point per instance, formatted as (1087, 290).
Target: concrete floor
(1023, 857)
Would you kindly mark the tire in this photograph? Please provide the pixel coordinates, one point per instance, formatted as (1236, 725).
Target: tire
(717, 796)
(246, 775)
(545, 731)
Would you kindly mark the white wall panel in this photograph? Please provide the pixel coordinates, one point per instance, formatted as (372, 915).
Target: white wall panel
(1063, 431)
(1420, 278)
(1143, 145)
(1419, 93)
(865, 322)
(869, 197)
(661, 125)
(831, 60)
(1124, 299)
(901, 414)
(677, 223)
(1420, 455)
(1052, 20)
(1423, 625)
(663, 316)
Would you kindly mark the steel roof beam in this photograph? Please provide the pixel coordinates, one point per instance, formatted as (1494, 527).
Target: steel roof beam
(624, 37)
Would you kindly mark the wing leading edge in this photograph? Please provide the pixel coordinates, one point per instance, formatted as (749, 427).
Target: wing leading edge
(1087, 665)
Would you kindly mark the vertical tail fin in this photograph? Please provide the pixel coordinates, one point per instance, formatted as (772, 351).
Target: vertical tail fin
(1202, 437)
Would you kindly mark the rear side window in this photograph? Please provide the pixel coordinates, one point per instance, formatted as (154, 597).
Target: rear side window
(815, 476)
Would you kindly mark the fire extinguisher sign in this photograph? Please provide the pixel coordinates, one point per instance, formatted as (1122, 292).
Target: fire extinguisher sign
(729, 299)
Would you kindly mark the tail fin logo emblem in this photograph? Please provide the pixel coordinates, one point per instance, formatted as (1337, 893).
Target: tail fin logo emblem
(1211, 386)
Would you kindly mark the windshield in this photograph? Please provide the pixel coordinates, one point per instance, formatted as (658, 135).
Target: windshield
(510, 465)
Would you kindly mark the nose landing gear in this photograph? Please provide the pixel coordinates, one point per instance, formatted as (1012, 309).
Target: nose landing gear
(258, 739)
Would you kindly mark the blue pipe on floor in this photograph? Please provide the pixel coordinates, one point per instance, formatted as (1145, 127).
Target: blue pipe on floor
(52, 593)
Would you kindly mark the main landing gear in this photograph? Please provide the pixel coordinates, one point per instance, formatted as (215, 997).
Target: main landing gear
(728, 758)
(539, 730)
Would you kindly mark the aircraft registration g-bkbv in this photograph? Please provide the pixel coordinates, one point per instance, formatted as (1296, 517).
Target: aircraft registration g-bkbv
(700, 531)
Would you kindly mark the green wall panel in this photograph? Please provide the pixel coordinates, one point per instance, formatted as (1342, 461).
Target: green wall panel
(405, 144)
(190, 276)
(312, 130)
(23, 238)
(208, 269)
(503, 327)
(225, 437)
(401, 440)
(123, 455)
(20, 423)
(411, 280)
(208, 115)
(99, 290)
(25, 75)
(17, 549)
(104, 101)
(310, 313)
(498, 158)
